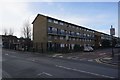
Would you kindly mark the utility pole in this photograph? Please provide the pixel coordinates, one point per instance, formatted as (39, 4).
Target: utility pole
(112, 32)
(112, 46)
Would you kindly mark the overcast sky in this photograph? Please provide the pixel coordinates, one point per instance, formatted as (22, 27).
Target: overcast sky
(94, 15)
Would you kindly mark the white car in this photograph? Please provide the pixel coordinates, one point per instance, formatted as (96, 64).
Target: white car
(117, 46)
(88, 48)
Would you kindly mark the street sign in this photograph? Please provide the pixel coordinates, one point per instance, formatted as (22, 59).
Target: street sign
(112, 31)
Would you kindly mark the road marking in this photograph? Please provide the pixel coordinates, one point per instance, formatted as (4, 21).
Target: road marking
(33, 59)
(108, 58)
(90, 60)
(83, 71)
(5, 74)
(75, 58)
(83, 59)
(102, 53)
(13, 56)
(6, 54)
(98, 61)
(55, 55)
(10, 55)
(45, 74)
(69, 57)
(61, 56)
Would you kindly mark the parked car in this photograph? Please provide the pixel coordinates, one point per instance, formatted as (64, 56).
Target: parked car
(117, 46)
(88, 48)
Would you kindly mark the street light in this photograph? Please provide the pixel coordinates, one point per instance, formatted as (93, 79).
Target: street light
(112, 32)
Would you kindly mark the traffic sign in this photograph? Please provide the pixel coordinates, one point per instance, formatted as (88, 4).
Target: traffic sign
(112, 31)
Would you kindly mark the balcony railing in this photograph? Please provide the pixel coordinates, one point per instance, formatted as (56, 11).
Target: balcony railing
(71, 35)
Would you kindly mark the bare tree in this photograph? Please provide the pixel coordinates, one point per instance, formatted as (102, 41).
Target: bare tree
(11, 31)
(26, 30)
(5, 32)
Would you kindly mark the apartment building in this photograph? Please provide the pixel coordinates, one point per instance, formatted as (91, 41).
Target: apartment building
(53, 34)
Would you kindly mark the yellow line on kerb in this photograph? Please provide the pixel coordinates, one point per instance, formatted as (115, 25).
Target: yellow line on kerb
(97, 60)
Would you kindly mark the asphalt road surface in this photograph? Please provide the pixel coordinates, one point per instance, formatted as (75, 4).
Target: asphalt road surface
(17, 64)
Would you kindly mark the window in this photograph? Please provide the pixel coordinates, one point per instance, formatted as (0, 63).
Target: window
(77, 28)
(80, 40)
(62, 31)
(84, 35)
(72, 45)
(49, 29)
(66, 24)
(73, 26)
(49, 37)
(88, 35)
(56, 22)
(61, 23)
(73, 39)
(77, 34)
(69, 32)
(83, 40)
(90, 40)
(61, 38)
(62, 45)
(54, 30)
(69, 38)
(84, 29)
(49, 20)
(70, 26)
(72, 33)
(55, 37)
(65, 31)
(77, 39)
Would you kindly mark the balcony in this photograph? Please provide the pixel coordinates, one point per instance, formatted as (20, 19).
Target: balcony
(56, 33)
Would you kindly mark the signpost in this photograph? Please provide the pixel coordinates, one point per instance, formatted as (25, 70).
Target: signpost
(112, 32)
(67, 39)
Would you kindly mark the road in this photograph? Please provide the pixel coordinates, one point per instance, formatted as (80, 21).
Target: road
(17, 64)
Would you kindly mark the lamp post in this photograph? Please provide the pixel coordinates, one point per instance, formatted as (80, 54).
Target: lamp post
(112, 32)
